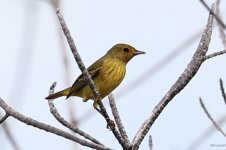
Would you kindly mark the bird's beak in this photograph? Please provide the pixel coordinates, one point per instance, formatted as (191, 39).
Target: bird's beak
(139, 52)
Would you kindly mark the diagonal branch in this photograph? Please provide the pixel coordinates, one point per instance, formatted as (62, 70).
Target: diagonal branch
(48, 128)
(4, 118)
(199, 140)
(222, 90)
(88, 78)
(73, 128)
(56, 4)
(118, 120)
(211, 118)
(190, 71)
(76, 55)
(213, 13)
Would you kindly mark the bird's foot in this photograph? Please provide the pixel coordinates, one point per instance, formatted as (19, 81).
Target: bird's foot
(111, 125)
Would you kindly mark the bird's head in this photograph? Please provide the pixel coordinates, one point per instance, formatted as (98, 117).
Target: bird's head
(123, 52)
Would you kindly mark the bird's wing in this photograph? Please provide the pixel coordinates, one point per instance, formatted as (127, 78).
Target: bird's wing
(81, 82)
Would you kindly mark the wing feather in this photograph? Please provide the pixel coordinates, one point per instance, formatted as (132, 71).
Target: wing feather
(80, 82)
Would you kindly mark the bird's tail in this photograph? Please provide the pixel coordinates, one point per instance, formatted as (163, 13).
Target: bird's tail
(64, 92)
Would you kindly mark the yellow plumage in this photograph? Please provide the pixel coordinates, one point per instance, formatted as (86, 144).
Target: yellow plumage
(107, 73)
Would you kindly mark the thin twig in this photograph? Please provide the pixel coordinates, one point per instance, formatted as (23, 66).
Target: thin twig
(73, 128)
(150, 143)
(4, 118)
(214, 54)
(181, 82)
(213, 13)
(199, 140)
(48, 128)
(211, 119)
(222, 90)
(221, 29)
(88, 77)
(76, 55)
(71, 110)
(80, 63)
(118, 120)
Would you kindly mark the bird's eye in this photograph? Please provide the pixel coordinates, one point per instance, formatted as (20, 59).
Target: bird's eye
(126, 50)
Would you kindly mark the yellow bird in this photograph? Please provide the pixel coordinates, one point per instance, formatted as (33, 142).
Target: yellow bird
(107, 73)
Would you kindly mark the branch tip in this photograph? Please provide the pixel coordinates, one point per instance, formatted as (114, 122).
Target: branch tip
(53, 86)
(222, 90)
(58, 10)
(211, 118)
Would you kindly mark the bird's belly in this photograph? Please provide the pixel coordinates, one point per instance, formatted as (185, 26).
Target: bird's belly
(110, 80)
(106, 82)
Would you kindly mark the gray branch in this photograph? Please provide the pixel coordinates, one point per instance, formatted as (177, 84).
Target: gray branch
(190, 71)
(118, 120)
(215, 54)
(76, 55)
(72, 127)
(211, 118)
(199, 140)
(4, 118)
(213, 13)
(48, 128)
(222, 90)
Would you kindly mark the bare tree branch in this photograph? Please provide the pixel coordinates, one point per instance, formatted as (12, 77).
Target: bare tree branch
(215, 54)
(56, 4)
(72, 127)
(213, 13)
(222, 90)
(80, 63)
(4, 118)
(118, 120)
(76, 54)
(197, 141)
(48, 128)
(211, 118)
(181, 82)
(89, 79)
(210, 130)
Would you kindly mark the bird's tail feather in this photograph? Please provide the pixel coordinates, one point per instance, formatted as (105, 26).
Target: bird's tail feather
(64, 92)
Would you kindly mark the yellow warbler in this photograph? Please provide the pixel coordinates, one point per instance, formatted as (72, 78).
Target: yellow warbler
(107, 73)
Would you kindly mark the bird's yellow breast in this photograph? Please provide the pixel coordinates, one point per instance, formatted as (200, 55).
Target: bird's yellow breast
(110, 76)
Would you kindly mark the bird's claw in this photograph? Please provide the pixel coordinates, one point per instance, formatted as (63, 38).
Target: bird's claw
(110, 125)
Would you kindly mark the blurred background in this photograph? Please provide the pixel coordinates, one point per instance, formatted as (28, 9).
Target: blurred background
(34, 53)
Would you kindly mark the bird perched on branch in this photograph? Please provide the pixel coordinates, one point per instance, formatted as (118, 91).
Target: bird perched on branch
(107, 73)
